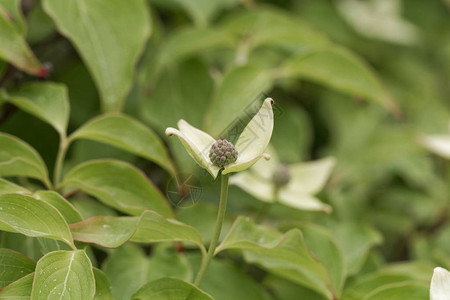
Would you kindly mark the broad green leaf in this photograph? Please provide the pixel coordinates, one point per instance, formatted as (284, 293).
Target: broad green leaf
(224, 280)
(128, 268)
(398, 273)
(288, 290)
(150, 227)
(18, 290)
(46, 101)
(170, 288)
(356, 240)
(128, 134)
(17, 158)
(15, 50)
(293, 133)
(109, 37)
(13, 265)
(13, 10)
(28, 246)
(410, 291)
(33, 218)
(324, 248)
(119, 185)
(271, 27)
(64, 275)
(285, 255)
(89, 207)
(7, 187)
(201, 11)
(181, 92)
(191, 41)
(40, 26)
(102, 286)
(70, 214)
(340, 69)
(239, 94)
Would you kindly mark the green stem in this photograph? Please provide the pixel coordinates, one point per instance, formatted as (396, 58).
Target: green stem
(218, 228)
(63, 144)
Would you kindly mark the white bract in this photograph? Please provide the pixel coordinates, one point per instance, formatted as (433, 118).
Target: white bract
(440, 285)
(438, 144)
(250, 145)
(306, 180)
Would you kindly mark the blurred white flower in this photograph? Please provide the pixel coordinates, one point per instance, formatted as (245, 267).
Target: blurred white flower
(379, 19)
(293, 185)
(440, 285)
(250, 145)
(437, 143)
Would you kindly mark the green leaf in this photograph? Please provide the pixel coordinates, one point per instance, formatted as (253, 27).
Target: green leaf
(201, 11)
(356, 240)
(288, 290)
(128, 268)
(13, 9)
(150, 227)
(392, 274)
(181, 92)
(17, 158)
(325, 249)
(189, 42)
(33, 218)
(26, 245)
(90, 207)
(64, 275)
(18, 290)
(285, 255)
(410, 291)
(119, 185)
(224, 280)
(239, 92)
(340, 69)
(14, 265)
(7, 187)
(102, 286)
(15, 50)
(272, 27)
(46, 101)
(170, 288)
(67, 210)
(109, 37)
(128, 134)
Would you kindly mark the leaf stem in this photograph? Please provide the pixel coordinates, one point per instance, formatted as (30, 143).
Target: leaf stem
(218, 228)
(63, 145)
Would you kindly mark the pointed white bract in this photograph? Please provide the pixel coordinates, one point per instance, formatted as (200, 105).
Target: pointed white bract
(438, 144)
(250, 145)
(306, 179)
(440, 284)
(254, 139)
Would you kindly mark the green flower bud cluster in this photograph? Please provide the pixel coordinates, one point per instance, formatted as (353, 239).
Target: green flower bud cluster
(281, 176)
(222, 153)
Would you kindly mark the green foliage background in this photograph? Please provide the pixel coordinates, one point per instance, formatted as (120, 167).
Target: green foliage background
(89, 86)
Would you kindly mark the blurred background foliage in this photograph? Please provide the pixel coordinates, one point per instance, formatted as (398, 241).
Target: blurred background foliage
(357, 80)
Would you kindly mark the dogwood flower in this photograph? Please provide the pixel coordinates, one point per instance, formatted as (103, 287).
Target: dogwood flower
(292, 185)
(437, 143)
(215, 155)
(440, 285)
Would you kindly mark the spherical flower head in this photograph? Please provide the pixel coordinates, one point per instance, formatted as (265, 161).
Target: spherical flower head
(222, 153)
(281, 176)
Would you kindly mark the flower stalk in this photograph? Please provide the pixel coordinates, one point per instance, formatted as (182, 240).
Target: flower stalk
(217, 230)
